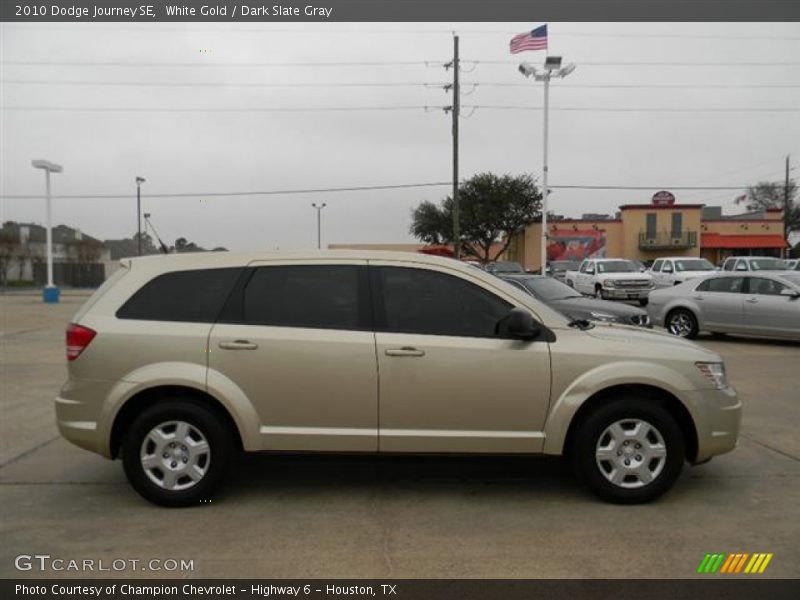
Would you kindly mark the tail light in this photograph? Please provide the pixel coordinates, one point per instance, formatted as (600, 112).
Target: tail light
(78, 338)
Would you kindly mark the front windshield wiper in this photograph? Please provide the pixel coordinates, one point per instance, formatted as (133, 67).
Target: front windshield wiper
(582, 324)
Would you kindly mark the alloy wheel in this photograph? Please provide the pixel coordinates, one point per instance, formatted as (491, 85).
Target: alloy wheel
(681, 324)
(175, 455)
(631, 453)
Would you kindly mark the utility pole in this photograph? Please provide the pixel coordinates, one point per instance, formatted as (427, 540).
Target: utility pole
(456, 112)
(319, 208)
(139, 182)
(786, 205)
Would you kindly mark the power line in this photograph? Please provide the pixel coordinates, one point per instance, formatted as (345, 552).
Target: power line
(660, 186)
(359, 188)
(635, 109)
(387, 84)
(654, 63)
(394, 63)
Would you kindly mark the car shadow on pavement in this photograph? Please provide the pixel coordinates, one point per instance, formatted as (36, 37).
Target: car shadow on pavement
(261, 472)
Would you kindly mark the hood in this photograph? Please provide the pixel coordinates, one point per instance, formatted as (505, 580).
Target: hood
(690, 274)
(642, 276)
(654, 343)
(580, 306)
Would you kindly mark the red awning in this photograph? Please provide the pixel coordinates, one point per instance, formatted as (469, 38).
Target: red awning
(438, 251)
(738, 240)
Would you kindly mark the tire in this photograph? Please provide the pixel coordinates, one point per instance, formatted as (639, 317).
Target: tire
(643, 301)
(189, 447)
(608, 436)
(598, 292)
(682, 322)
(570, 284)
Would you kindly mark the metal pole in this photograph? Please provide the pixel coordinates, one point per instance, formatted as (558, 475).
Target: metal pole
(786, 206)
(138, 217)
(319, 228)
(456, 112)
(545, 191)
(49, 230)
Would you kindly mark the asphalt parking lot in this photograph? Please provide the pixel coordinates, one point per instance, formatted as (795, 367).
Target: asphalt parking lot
(408, 517)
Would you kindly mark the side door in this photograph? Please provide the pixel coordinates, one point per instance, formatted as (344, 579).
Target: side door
(767, 311)
(721, 303)
(296, 337)
(585, 278)
(655, 272)
(448, 382)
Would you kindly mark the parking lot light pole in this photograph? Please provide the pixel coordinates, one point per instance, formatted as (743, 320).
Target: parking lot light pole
(319, 208)
(139, 182)
(552, 68)
(50, 293)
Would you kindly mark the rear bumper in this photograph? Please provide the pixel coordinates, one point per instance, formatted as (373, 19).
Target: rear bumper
(718, 418)
(78, 409)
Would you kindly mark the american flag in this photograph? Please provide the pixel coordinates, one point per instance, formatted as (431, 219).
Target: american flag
(530, 40)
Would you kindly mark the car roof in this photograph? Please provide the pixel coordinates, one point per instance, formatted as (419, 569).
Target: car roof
(680, 258)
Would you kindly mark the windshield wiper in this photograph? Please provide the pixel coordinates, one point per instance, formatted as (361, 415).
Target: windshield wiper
(582, 324)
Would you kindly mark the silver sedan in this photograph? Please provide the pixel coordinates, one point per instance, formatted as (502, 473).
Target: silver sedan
(764, 304)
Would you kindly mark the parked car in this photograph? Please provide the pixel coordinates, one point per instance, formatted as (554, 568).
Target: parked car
(767, 304)
(503, 266)
(559, 268)
(178, 362)
(575, 306)
(754, 263)
(611, 278)
(674, 270)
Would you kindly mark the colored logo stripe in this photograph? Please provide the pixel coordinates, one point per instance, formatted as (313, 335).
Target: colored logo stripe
(740, 562)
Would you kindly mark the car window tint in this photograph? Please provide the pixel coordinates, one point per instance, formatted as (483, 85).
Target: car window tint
(728, 266)
(731, 285)
(765, 287)
(656, 266)
(313, 296)
(583, 268)
(429, 302)
(191, 296)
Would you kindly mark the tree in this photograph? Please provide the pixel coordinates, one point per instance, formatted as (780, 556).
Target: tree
(492, 209)
(768, 194)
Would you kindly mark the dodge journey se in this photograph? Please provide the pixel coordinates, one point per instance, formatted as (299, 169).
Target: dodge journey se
(179, 362)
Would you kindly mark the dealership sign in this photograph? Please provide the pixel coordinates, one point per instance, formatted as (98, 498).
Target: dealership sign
(663, 198)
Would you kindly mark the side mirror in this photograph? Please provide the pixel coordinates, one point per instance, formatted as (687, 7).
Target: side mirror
(519, 324)
(667, 270)
(741, 267)
(590, 271)
(789, 292)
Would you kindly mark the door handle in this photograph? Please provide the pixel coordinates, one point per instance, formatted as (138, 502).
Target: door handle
(752, 300)
(698, 297)
(404, 351)
(238, 345)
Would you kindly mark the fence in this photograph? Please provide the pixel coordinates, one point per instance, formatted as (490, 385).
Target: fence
(70, 274)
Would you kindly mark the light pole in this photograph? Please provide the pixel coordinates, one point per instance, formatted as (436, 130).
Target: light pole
(139, 182)
(50, 293)
(552, 68)
(319, 208)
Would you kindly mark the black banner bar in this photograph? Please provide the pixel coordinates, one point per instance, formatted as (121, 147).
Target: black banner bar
(714, 587)
(527, 11)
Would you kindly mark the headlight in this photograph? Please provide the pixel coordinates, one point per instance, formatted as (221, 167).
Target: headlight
(641, 320)
(600, 316)
(714, 372)
(608, 283)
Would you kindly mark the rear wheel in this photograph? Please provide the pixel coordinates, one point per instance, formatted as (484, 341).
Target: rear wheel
(628, 451)
(682, 322)
(176, 453)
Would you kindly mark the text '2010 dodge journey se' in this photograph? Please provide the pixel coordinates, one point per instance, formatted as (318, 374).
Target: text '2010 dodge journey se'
(178, 362)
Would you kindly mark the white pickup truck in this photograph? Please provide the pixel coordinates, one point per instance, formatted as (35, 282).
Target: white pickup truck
(673, 270)
(611, 279)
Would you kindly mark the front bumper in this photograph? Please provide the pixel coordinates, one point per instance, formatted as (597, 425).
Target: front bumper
(625, 294)
(717, 418)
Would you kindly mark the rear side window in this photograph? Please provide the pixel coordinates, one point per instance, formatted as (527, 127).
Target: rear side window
(195, 296)
(433, 303)
(318, 297)
(765, 287)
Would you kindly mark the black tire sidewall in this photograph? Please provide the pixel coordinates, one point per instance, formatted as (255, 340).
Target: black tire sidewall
(677, 311)
(212, 425)
(592, 426)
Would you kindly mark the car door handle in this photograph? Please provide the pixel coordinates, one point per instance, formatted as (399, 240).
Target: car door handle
(404, 351)
(752, 300)
(238, 345)
(698, 297)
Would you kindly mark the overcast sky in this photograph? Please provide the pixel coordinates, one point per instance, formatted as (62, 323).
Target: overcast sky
(203, 152)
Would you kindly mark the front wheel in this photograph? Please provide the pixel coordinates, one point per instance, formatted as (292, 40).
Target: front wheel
(176, 453)
(628, 451)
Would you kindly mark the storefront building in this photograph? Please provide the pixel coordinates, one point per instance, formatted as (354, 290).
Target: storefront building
(647, 231)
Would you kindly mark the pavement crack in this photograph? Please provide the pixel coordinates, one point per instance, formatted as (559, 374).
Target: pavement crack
(28, 451)
(768, 447)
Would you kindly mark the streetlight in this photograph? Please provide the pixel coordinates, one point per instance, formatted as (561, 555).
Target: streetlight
(552, 68)
(51, 292)
(319, 208)
(139, 182)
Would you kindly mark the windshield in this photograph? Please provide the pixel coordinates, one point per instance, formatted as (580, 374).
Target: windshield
(697, 264)
(767, 264)
(617, 266)
(557, 266)
(546, 288)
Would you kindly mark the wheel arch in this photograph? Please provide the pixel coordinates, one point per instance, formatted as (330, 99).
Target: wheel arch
(146, 398)
(671, 403)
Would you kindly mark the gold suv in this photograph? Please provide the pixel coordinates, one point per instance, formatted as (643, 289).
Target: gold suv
(178, 362)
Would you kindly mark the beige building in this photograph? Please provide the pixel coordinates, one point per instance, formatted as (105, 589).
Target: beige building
(646, 231)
